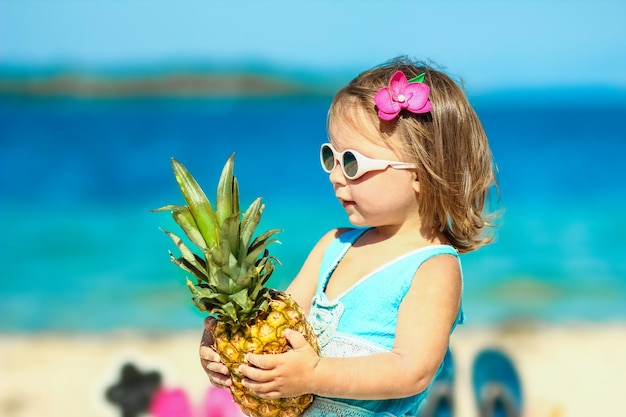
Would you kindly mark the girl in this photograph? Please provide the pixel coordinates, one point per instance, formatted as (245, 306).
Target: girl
(410, 163)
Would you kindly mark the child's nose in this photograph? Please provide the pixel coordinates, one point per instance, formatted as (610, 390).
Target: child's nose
(336, 175)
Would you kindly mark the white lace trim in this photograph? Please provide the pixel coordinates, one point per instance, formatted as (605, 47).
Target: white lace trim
(344, 345)
(324, 318)
(324, 407)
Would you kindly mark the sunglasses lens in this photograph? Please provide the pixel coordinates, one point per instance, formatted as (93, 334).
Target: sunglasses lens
(328, 158)
(350, 165)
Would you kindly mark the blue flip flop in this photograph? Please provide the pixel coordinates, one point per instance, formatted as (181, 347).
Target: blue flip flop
(440, 399)
(497, 386)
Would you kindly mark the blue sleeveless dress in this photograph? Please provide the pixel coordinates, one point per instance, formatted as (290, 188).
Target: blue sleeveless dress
(369, 323)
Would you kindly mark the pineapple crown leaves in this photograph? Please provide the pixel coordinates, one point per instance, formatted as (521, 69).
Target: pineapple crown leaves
(234, 267)
(198, 205)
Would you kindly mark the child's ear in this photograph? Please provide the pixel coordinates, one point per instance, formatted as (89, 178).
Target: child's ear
(416, 183)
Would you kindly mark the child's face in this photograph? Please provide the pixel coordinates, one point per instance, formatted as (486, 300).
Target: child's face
(378, 198)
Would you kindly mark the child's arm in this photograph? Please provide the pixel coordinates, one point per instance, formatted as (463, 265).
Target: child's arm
(425, 318)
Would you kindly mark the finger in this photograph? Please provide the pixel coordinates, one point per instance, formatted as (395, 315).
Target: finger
(295, 339)
(207, 335)
(209, 354)
(209, 323)
(217, 372)
(216, 367)
(219, 380)
(260, 361)
(255, 375)
(262, 390)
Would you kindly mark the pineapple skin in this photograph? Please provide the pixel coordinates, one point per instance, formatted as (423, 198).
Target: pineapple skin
(263, 334)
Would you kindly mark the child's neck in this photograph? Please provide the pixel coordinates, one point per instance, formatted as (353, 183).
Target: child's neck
(415, 237)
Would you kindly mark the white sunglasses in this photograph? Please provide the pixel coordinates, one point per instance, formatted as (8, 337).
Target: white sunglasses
(354, 164)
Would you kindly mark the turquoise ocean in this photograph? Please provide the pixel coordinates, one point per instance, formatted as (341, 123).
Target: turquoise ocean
(81, 251)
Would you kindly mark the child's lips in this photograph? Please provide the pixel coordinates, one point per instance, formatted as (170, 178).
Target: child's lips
(345, 203)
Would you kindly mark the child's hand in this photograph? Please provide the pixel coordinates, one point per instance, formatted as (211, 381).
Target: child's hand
(282, 375)
(216, 371)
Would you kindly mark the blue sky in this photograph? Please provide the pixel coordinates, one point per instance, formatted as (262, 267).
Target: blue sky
(491, 44)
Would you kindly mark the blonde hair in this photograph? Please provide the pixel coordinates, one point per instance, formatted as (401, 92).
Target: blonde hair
(449, 145)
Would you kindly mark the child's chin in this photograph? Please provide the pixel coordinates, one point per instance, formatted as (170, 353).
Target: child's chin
(356, 220)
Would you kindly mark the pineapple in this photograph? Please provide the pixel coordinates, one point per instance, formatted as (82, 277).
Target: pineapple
(231, 271)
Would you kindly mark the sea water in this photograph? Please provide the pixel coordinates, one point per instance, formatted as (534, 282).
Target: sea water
(81, 250)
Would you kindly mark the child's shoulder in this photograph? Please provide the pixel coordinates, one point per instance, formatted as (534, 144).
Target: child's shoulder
(331, 236)
(443, 261)
(335, 233)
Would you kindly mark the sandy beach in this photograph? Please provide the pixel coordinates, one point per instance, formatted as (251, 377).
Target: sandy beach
(574, 370)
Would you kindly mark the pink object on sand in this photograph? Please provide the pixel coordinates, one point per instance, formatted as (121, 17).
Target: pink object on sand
(170, 403)
(219, 403)
(176, 403)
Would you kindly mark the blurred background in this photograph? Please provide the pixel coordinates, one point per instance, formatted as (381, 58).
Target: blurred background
(97, 96)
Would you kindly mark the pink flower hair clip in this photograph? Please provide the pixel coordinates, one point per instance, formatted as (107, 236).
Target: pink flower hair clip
(403, 94)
